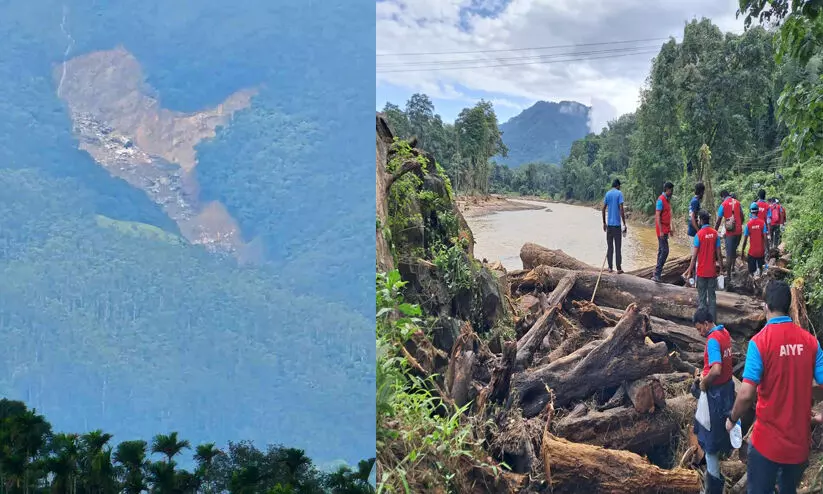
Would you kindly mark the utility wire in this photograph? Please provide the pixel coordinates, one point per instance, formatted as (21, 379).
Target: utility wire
(522, 49)
(506, 59)
(520, 63)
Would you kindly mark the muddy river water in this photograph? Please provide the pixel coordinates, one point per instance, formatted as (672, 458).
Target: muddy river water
(577, 230)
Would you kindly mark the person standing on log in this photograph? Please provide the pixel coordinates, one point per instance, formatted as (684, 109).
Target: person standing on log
(731, 214)
(613, 213)
(781, 361)
(716, 382)
(663, 227)
(706, 258)
(757, 230)
(694, 210)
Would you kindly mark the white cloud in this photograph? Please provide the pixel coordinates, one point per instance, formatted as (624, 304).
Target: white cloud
(611, 85)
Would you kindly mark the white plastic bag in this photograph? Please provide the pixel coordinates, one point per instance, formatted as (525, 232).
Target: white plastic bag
(703, 416)
(736, 435)
(721, 282)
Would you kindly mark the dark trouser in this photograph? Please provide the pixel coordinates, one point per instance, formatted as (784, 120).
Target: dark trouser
(762, 474)
(775, 234)
(732, 242)
(662, 254)
(706, 295)
(755, 263)
(614, 239)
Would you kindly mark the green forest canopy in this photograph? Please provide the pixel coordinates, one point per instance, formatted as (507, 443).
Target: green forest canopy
(36, 459)
(135, 333)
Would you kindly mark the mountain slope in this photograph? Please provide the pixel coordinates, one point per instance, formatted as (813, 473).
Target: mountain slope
(544, 132)
(105, 319)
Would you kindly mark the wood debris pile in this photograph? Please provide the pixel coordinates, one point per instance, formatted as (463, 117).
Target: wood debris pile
(592, 396)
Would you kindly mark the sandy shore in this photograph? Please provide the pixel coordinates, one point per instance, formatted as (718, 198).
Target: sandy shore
(472, 206)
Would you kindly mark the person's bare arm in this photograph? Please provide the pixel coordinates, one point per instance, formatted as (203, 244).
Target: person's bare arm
(623, 214)
(745, 241)
(604, 215)
(745, 398)
(693, 219)
(719, 256)
(713, 374)
(691, 263)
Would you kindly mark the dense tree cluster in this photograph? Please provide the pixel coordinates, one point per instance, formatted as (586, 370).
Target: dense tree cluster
(463, 148)
(35, 459)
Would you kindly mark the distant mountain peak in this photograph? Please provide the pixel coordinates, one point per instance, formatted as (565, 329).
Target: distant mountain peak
(544, 132)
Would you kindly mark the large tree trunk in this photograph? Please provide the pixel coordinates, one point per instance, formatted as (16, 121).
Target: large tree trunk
(531, 341)
(797, 310)
(682, 337)
(672, 271)
(626, 428)
(622, 356)
(575, 468)
(385, 261)
(738, 313)
(533, 255)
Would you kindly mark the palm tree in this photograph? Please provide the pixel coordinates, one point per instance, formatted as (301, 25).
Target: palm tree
(168, 445)
(204, 456)
(131, 455)
(162, 477)
(96, 463)
(63, 462)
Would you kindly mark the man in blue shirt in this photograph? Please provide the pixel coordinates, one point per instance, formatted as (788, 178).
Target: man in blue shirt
(613, 213)
(694, 209)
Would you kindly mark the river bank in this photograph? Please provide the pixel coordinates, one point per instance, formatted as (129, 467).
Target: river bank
(476, 206)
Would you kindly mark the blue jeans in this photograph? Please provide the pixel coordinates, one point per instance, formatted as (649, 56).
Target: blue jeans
(762, 474)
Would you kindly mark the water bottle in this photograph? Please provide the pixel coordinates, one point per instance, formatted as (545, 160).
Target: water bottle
(736, 435)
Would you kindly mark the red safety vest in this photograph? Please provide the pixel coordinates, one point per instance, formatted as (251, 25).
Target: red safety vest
(665, 217)
(755, 228)
(707, 238)
(722, 337)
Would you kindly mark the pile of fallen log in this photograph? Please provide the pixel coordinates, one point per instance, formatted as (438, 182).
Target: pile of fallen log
(592, 396)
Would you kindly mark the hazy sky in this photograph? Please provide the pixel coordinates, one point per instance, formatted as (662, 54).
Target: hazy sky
(608, 77)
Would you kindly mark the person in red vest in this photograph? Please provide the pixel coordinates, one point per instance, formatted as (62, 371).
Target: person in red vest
(758, 231)
(781, 361)
(663, 227)
(730, 214)
(762, 206)
(716, 381)
(706, 257)
(777, 218)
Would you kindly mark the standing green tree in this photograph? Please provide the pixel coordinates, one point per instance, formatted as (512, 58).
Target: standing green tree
(131, 457)
(204, 455)
(169, 445)
(479, 138)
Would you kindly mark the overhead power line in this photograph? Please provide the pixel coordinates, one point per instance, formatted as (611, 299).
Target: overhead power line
(618, 55)
(533, 48)
(508, 59)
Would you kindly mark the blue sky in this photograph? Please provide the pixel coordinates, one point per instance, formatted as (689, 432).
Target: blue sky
(600, 50)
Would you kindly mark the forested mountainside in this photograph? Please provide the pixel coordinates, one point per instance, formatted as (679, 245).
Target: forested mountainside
(164, 262)
(543, 133)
